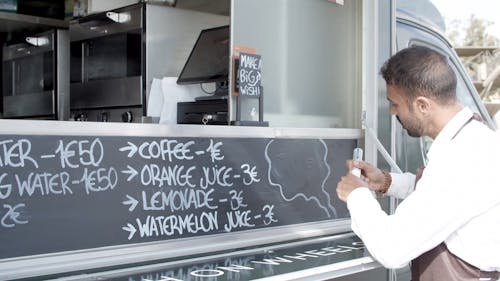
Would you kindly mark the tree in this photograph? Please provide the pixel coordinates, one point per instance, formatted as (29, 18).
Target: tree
(471, 33)
(483, 67)
(476, 35)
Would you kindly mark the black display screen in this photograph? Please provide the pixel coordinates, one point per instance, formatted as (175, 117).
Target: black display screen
(209, 58)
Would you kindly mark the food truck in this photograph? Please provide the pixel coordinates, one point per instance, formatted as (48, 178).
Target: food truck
(240, 183)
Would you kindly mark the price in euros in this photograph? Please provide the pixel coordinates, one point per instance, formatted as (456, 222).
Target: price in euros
(236, 200)
(250, 174)
(269, 214)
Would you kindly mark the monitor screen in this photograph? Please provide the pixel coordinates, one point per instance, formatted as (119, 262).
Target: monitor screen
(209, 58)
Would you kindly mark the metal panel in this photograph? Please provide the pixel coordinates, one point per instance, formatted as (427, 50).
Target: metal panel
(62, 74)
(100, 25)
(26, 65)
(24, 49)
(33, 101)
(12, 22)
(106, 93)
(39, 104)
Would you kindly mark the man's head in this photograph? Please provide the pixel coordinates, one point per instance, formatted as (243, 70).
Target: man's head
(419, 81)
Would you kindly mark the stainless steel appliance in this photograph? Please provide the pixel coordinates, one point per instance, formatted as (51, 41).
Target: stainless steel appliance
(35, 76)
(116, 54)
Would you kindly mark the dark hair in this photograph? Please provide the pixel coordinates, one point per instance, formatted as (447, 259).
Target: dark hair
(421, 71)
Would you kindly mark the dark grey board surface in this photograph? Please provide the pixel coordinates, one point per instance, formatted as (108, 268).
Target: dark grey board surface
(65, 193)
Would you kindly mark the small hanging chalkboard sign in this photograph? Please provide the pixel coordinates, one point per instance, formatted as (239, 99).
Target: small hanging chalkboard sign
(248, 84)
(249, 74)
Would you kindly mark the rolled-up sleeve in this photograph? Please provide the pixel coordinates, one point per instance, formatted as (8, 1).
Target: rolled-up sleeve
(402, 185)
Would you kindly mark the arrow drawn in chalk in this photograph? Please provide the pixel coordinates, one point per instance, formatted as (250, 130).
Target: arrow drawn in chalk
(131, 229)
(132, 201)
(132, 147)
(131, 171)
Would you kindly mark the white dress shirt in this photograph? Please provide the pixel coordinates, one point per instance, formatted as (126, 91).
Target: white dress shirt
(457, 200)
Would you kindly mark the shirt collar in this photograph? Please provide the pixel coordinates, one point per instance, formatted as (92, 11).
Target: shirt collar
(451, 129)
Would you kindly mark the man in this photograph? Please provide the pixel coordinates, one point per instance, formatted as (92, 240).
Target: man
(448, 225)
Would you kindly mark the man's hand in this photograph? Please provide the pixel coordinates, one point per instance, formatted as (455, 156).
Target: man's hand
(370, 174)
(371, 177)
(347, 184)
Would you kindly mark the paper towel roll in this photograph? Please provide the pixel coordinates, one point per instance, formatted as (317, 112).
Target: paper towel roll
(155, 101)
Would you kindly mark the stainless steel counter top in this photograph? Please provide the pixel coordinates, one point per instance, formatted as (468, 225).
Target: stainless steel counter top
(36, 127)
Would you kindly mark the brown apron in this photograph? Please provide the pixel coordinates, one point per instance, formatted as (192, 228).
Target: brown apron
(439, 264)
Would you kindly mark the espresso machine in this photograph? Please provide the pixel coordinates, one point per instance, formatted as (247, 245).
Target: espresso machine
(115, 55)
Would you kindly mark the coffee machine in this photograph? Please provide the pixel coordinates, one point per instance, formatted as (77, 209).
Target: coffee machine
(115, 56)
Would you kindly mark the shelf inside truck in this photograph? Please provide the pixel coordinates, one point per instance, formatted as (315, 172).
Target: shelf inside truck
(12, 22)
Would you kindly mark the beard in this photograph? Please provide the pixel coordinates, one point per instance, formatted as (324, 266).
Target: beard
(412, 125)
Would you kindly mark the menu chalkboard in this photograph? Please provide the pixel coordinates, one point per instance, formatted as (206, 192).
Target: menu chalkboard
(65, 193)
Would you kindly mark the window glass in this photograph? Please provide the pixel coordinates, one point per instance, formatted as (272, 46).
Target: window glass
(463, 94)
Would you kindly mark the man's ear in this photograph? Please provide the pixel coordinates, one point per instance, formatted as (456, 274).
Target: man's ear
(422, 105)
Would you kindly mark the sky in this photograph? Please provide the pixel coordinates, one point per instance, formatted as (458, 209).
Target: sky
(462, 10)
